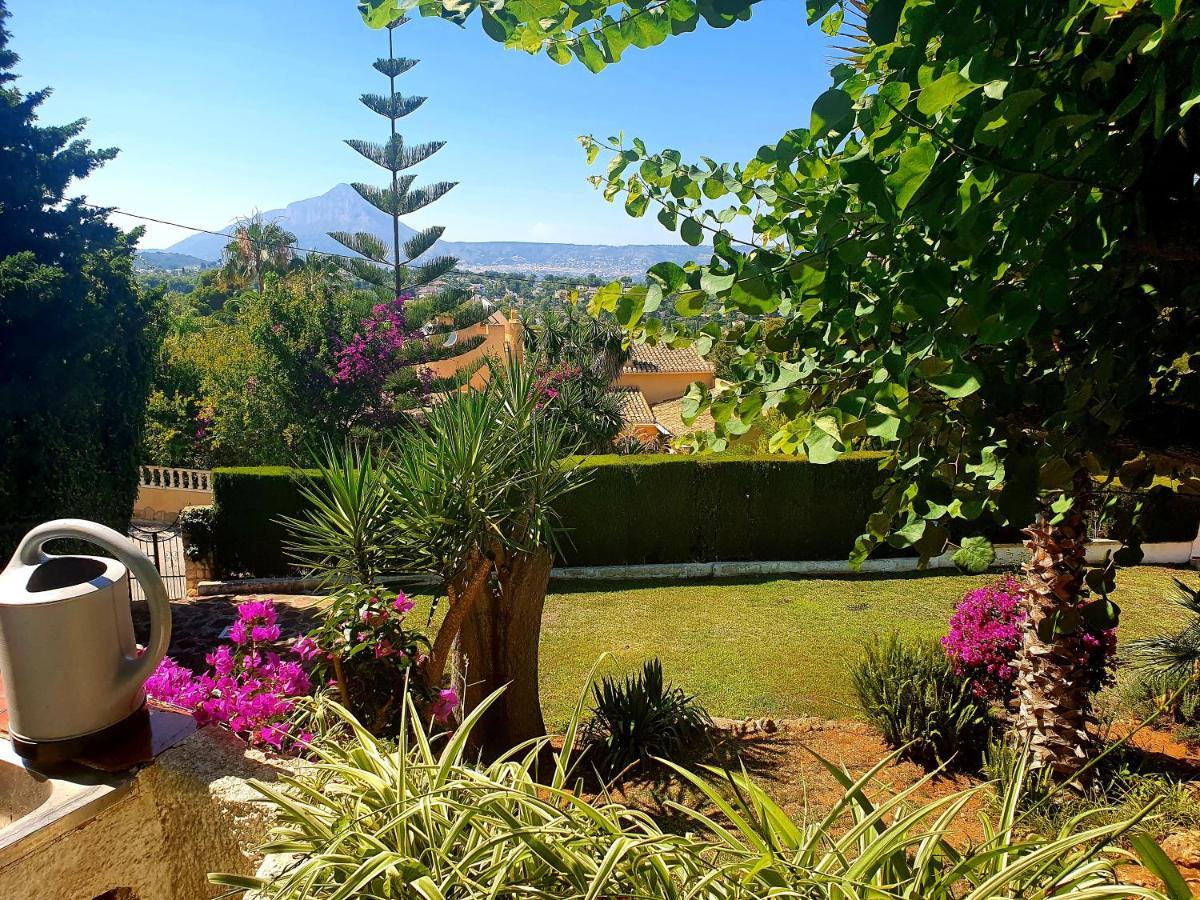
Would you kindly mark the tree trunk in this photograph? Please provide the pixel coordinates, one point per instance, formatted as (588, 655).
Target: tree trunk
(500, 648)
(1053, 711)
(461, 598)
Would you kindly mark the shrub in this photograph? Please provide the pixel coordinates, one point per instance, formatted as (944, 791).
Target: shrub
(674, 508)
(251, 687)
(639, 718)
(420, 819)
(1121, 780)
(366, 650)
(911, 693)
(196, 529)
(1167, 663)
(249, 505)
(985, 637)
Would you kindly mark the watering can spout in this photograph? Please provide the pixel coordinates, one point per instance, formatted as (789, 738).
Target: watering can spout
(68, 657)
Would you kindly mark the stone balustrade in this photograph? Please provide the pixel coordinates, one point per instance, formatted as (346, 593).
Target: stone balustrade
(172, 478)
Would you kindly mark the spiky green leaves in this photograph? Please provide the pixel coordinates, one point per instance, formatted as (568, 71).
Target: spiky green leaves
(421, 242)
(394, 106)
(395, 156)
(362, 243)
(394, 66)
(388, 200)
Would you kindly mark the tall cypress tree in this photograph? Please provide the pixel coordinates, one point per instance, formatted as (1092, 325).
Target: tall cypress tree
(433, 321)
(78, 337)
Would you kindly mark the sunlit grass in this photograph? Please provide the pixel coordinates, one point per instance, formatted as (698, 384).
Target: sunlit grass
(772, 647)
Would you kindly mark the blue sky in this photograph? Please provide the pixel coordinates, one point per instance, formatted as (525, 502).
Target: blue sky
(221, 107)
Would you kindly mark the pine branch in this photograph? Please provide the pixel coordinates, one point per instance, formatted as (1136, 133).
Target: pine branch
(395, 106)
(394, 67)
(429, 272)
(363, 270)
(386, 199)
(416, 353)
(419, 313)
(422, 197)
(362, 243)
(394, 156)
(422, 241)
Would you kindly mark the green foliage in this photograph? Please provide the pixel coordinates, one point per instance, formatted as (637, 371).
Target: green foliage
(77, 335)
(495, 830)
(196, 530)
(698, 508)
(249, 507)
(254, 383)
(343, 532)
(480, 473)
(595, 32)
(910, 692)
(987, 270)
(368, 650)
(638, 719)
(1123, 779)
(257, 249)
(577, 358)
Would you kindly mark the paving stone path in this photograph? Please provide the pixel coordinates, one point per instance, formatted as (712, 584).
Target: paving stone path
(198, 625)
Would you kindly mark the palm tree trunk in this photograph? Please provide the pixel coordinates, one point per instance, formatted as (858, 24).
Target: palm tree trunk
(1053, 711)
(500, 648)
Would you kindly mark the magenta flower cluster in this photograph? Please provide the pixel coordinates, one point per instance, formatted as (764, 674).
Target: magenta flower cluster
(250, 687)
(985, 637)
(369, 356)
(547, 381)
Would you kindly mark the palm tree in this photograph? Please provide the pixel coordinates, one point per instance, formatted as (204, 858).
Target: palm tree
(255, 249)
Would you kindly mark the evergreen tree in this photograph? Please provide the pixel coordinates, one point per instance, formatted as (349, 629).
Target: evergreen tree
(431, 323)
(77, 336)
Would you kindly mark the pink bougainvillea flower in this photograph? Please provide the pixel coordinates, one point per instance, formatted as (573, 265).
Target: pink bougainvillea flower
(444, 705)
(373, 618)
(402, 604)
(306, 649)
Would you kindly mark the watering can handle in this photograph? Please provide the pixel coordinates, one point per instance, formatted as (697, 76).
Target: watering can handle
(30, 554)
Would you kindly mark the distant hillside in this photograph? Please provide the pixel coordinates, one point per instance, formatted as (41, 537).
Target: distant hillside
(146, 260)
(341, 209)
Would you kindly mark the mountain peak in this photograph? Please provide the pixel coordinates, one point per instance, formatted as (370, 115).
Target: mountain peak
(341, 209)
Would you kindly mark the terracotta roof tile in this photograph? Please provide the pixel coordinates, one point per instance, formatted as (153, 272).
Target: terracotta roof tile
(644, 358)
(634, 408)
(670, 415)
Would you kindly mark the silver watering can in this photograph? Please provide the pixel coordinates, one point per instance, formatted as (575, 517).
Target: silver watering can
(70, 664)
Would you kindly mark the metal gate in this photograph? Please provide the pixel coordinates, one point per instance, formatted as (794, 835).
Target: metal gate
(164, 546)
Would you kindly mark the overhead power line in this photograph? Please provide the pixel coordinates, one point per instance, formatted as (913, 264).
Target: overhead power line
(294, 247)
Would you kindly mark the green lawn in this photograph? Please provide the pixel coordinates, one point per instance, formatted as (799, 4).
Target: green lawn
(771, 647)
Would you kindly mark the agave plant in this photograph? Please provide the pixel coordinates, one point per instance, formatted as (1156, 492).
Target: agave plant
(421, 819)
(639, 718)
(1177, 654)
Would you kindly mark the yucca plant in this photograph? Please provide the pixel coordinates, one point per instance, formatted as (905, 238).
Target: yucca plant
(344, 536)
(911, 693)
(639, 718)
(420, 819)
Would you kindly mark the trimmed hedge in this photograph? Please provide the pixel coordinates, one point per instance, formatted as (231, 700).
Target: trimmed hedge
(248, 541)
(667, 509)
(652, 509)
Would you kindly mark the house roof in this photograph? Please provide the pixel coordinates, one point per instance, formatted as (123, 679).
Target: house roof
(670, 415)
(634, 408)
(646, 359)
